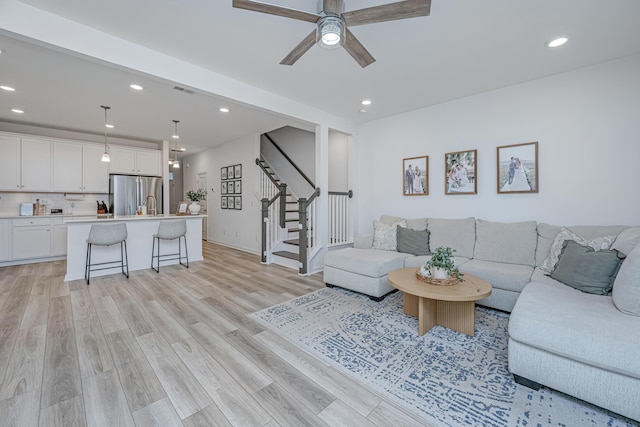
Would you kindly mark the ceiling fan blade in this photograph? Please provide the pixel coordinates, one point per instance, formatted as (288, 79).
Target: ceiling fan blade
(275, 10)
(357, 50)
(300, 50)
(388, 12)
(332, 6)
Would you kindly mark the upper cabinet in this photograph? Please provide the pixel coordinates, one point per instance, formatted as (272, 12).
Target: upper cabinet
(77, 167)
(135, 161)
(41, 165)
(26, 164)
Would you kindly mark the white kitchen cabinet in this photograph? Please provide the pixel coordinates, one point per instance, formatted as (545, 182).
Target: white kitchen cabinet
(59, 241)
(78, 168)
(10, 170)
(135, 161)
(31, 238)
(26, 164)
(5, 241)
(148, 162)
(95, 172)
(67, 167)
(35, 162)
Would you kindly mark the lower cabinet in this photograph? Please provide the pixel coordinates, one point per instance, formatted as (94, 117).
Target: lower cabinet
(31, 238)
(5, 248)
(59, 242)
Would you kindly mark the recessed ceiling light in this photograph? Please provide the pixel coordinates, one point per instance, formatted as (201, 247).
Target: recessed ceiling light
(108, 125)
(136, 87)
(366, 102)
(557, 41)
(183, 149)
(362, 110)
(7, 88)
(224, 110)
(17, 111)
(175, 136)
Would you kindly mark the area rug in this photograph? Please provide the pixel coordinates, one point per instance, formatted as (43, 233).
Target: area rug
(445, 377)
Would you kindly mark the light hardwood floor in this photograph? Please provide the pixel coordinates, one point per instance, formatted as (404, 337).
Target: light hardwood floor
(167, 349)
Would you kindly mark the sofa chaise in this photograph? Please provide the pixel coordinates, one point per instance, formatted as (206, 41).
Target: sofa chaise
(564, 332)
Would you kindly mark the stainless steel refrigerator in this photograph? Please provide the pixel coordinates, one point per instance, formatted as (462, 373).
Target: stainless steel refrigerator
(127, 193)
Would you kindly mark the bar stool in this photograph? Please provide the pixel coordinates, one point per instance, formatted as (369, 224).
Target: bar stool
(170, 230)
(107, 235)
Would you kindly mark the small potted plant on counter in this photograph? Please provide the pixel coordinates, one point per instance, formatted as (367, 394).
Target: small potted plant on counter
(195, 197)
(441, 266)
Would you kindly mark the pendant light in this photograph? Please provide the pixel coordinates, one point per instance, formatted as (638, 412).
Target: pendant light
(105, 156)
(176, 163)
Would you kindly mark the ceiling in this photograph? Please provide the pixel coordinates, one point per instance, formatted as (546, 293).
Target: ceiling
(464, 48)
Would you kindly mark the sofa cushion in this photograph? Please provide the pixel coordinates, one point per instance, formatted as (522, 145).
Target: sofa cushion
(583, 327)
(511, 243)
(511, 277)
(458, 234)
(385, 237)
(414, 242)
(627, 240)
(597, 243)
(626, 288)
(412, 223)
(368, 262)
(586, 270)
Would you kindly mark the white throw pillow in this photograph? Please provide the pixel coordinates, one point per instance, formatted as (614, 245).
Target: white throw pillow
(626, 288)
(627, 240)
(385, 236)
(598, 244)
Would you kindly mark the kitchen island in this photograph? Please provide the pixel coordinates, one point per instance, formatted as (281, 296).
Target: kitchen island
(140, 231)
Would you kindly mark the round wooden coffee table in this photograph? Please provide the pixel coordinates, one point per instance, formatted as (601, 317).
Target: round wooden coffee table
(450, 306)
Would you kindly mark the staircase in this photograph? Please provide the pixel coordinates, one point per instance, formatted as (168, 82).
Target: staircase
(286, 252)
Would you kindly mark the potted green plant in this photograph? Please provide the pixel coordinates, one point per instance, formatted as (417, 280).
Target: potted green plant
(441, 265)
(195, 197)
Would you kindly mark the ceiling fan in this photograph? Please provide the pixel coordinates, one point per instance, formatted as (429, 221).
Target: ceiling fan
(332, 24)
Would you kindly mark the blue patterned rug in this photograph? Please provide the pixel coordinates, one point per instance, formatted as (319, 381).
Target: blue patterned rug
(445, 377)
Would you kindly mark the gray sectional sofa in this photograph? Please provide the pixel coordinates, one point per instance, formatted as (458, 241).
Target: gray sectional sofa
(582, 344)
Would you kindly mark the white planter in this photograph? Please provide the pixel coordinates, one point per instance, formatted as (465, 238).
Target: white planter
(194, 208)
(439, 273)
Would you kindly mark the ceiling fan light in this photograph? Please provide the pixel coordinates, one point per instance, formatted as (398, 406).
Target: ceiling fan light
(330, 33)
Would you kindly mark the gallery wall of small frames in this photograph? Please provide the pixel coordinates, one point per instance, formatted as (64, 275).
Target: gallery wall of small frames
(231, 187)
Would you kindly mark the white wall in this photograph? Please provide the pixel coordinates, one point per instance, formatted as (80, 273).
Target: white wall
(235, 228)
(587, 123)
(338, 162)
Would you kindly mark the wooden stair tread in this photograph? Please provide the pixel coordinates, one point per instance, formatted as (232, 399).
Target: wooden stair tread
(285, 254)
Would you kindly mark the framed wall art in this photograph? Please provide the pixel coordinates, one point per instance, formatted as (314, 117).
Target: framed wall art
(238, 202)
(223, 173)
(230, 202)
(518, 168)
(230, 172)
(461, 172)
(230, 187)
(415, 176)
(223, 188)
(237, 187)
(223, 202)
(237, 171)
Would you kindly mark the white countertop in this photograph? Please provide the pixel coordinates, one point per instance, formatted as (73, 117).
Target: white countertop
(108, 218)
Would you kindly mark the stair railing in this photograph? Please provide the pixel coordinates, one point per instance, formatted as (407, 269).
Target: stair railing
(270, 187)
(273, 214)
(302, 174)
(340, 229)
(307, 229)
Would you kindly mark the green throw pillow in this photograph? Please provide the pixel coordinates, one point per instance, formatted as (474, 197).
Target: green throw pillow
(415, 242)
(585, 269)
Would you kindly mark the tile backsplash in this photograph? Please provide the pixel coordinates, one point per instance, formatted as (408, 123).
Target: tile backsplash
(71, 204)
